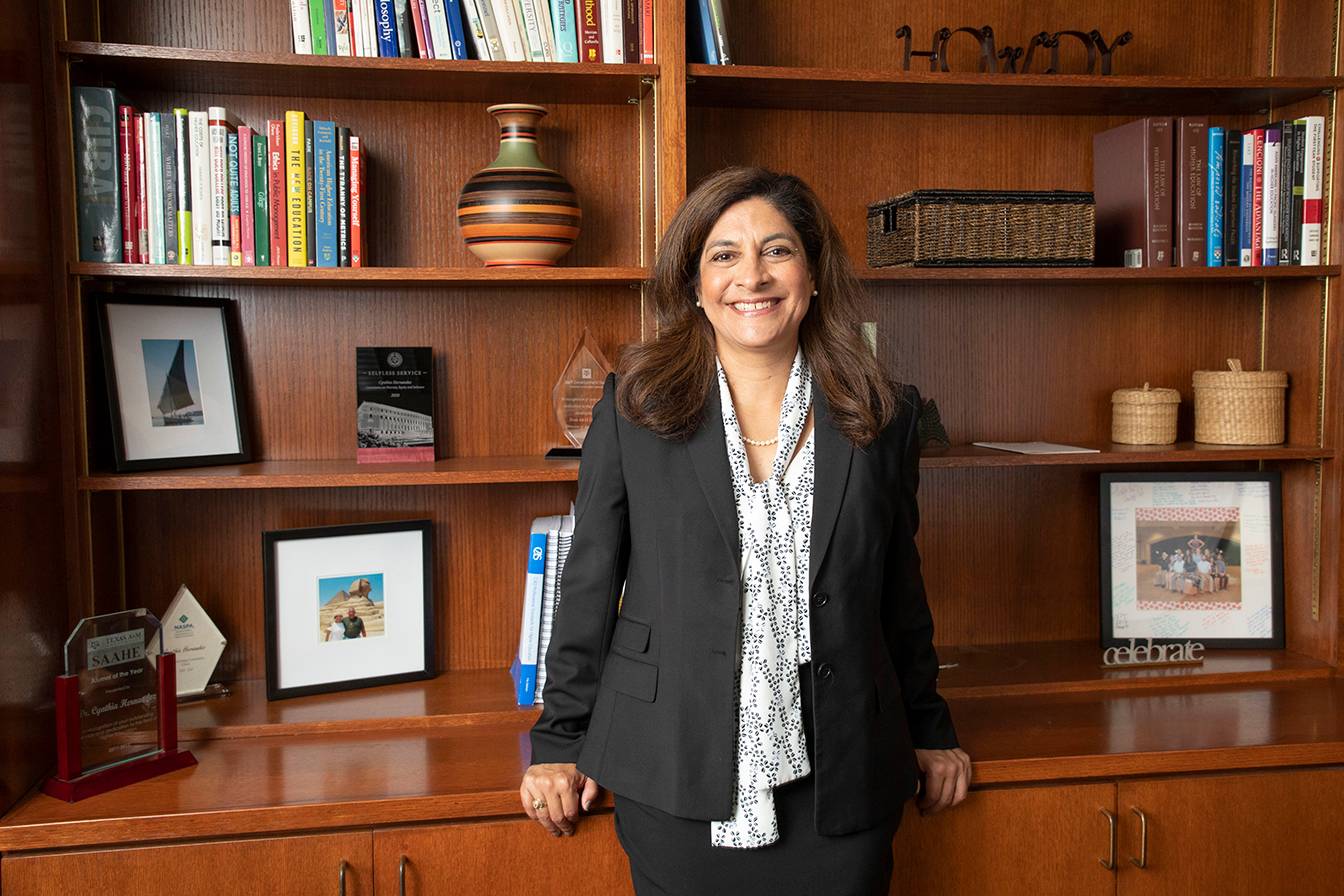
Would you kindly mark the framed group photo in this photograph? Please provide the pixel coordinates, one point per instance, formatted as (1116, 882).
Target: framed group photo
(1192, 557)
(348, 607)
(173, 381)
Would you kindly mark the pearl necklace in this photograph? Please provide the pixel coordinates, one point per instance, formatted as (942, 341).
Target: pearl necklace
(760, 443)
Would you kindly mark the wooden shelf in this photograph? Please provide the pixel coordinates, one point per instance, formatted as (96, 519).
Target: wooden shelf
(884, 276)
(862, 90)
(1120, 455)
(426, 276)
(1057, 667)
(341, 474)
(295, 77)
(265, 785)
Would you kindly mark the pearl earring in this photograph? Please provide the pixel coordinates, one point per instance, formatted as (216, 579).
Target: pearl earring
(697, 303)
(814, 292)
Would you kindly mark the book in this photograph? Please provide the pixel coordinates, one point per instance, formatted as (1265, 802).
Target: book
(1269, 230)
(277, 180)
(547, 29)
(126, 183)
(1232, 199)
(296, 179)
(490, 25)
(1213, 252)
(456, 33)
(222, 123)
(1036, 448)
(437, 27)
(524, 667)
(536, 43)
(631, 27)
(235, 202)
(387, 29)
(700, 42)
(328, 23)
(341, 18)
(1246, 226)
(405, 29)
(247, 200)
(1257, 197)
(394, 399)
(343, 197)
(1294, 210)
(1131, 175)
(168, 183)
(552, 592)
(324, 194)
(261, 200)
(612, 16)
(97, 179)
(590, 31)
(719, 25)
(317, 25)
(566, 31)
(511, 36)
(309, 199)
(298, 14)
(141, 192)
(153, 165)
(1285, 182)
(202, 203)
(1191, 208)
(418, 13)
(1312, 180)
(646, 32)
(356, 203)
(185, 227)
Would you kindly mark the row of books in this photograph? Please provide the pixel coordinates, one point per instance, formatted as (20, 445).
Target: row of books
(512, 30)
(548, 547)
(1179, 192)
(202, 188)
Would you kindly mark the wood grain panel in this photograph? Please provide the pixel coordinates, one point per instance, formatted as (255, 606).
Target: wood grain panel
(214, 542)
(1305, 32)
(290, 865)
(255, 25)
(1194, 822)
(1034, 841)
(420, 154)
(1295, 333)
(1169, 39)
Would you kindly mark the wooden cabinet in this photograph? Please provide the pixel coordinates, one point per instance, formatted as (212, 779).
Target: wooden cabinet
(501, 857)
(290, 865)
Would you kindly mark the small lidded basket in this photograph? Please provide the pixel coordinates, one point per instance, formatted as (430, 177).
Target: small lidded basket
(1144, 416)
(1239, 407)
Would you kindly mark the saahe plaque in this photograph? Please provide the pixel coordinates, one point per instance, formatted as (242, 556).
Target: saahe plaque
(116, 707)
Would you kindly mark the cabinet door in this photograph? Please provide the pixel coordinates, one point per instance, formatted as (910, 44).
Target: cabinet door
(289, 865)
(1029, 840)
(1251, 833)
(502, 858)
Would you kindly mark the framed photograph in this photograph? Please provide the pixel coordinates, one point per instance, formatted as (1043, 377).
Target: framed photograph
(347, 607)
(173, 381)
(1192, 557)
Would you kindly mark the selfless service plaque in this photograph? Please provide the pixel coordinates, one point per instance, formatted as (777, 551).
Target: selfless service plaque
(116, 707)
(579, 388)
(394, 398)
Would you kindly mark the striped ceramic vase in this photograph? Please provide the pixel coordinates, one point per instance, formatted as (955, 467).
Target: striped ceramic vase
(517, 211)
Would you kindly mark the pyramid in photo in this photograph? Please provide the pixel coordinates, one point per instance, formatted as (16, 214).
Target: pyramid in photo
(356, 596)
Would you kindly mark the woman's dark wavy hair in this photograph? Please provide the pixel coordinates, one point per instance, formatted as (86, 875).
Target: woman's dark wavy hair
(663, 383)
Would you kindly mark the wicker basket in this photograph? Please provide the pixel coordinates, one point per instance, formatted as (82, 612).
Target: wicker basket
(1055, 228)
(1239, 407)
(1144, 416)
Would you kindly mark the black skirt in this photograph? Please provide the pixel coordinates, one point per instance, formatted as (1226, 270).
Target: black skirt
(672, 856)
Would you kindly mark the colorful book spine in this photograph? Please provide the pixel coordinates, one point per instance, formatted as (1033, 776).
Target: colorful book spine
(1312, 182)
(303, 35)
(202, 201)
(296, 179)
(261, 201)
(1247, 228)
(246, 199)
(401, 10)
(185, 227)
(341, 15)
(153, 164)
(646, 33)
(310, 204)
(126, 181)
(1258, 200)
(1294, 210)
(1232, 199)
(490, 26)
(235, 202)
(387, 29)
(168, 180)
(457, 35)
(1214, 183)
(356, 203)
(277, 180)
(525, 664)
(511, 36)
(1192, 150)
(719, 24)
(420, 27)
(141, 192)
(612, 13)
(97, 182)
(436, 28)
(1285, 188)
(631, 27)
(590, 31)
(1269, 237)
(317, 24)
(219, 184)
(324, 192)
(343, 197)
(329, 23)
(700, 30)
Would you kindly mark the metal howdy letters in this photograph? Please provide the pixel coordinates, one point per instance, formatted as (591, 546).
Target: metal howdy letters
(1094, 45)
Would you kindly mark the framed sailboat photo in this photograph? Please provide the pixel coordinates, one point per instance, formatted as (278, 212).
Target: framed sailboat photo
(173, 381)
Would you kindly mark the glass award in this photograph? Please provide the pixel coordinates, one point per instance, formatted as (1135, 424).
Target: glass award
(192, 636)
(116, 707)
(579, 388)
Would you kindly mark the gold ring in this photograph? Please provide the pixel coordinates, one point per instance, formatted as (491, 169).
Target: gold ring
(538, 803)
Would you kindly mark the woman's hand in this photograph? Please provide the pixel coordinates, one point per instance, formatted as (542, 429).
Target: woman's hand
(947, 775)
(564, 789)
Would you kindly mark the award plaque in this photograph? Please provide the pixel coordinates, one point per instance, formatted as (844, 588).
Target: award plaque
(116, 708)
(190, 634)
(579, 388)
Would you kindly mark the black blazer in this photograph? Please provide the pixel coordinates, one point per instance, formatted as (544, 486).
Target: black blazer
(644, 701)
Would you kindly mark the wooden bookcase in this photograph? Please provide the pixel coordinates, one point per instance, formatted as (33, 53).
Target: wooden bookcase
(1009, 543)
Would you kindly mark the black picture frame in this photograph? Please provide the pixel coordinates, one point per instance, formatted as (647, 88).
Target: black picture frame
(1274, 479)
(271, 597)
(237, 383)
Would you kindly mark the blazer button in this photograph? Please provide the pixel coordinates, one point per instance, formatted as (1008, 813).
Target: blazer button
(820, 599)
(824, 671)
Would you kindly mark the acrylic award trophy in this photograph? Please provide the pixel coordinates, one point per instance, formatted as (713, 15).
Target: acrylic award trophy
(192, 636)
(116, 708)
(579, 388)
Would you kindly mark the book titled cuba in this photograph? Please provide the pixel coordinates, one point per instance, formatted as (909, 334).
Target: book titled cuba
(395, 404)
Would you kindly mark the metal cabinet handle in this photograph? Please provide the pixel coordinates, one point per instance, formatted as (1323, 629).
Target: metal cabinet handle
(340, 878)
(401, 876)
(1109, 862)
(1142, 860)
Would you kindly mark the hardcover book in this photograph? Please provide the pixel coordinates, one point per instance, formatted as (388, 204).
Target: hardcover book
(98, 199)
(1192, 150)
(1131, 175)
(395, 404)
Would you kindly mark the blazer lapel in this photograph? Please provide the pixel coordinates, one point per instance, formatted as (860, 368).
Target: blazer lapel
(834, 453)
(709, 455)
